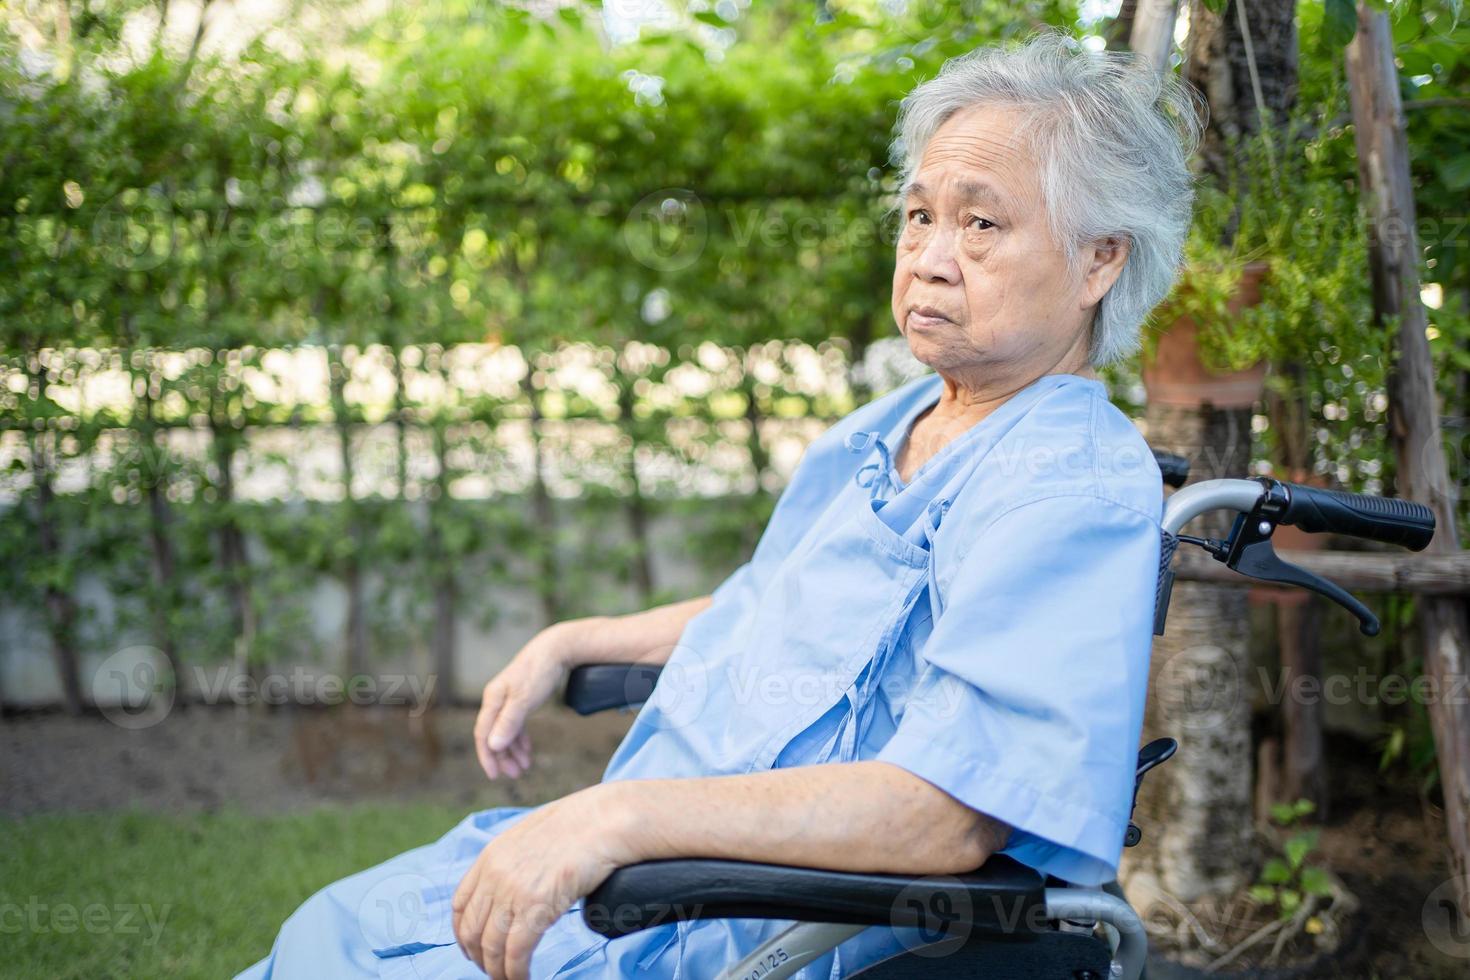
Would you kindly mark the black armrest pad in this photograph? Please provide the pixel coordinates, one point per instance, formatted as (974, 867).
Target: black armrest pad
(598, 687)
(1003, 896)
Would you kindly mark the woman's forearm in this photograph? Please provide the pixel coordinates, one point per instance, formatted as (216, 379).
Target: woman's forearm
(859, 816)
(646, 637)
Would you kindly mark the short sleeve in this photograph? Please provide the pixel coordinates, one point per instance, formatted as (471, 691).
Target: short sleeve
(1029, 700)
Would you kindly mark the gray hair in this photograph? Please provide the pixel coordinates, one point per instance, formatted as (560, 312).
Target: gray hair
(1112, 138)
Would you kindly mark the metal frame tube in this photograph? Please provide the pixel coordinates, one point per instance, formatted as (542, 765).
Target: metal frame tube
(1131, 948)
(786, 953)
(1186, 504)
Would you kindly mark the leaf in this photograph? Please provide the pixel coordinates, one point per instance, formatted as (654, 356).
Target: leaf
(1264, 894)
(1290, 901)
(1407, 28)
(1275, 872)
(1392, 750)
(1455, 172)
(1316, 882)
(1339, 24)
(1299, 846)
(1282, 813)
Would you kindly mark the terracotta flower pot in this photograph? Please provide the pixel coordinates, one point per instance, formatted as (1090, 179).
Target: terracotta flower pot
(1176, 376)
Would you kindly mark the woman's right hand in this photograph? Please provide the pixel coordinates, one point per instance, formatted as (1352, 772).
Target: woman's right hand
(532, 676)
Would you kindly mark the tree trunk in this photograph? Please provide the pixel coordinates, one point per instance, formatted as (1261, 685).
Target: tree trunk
(232, 556)
(878, 321)
(1119, 34)
(542, 511)
(634, 507)
(1199, 812)
(400, 423)
(1219, 65)
(442, 640)
(154, 467)
(1422, 473)
(1151, 30)
(352, 575)
(61, 607)
(1196, 811)
(760, 461)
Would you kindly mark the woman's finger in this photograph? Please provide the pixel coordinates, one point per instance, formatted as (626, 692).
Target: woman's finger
(520, 942)
(507, 724)
(467, 906)
(521, 749)
(487, 758)
(492, 941)
(484, 721)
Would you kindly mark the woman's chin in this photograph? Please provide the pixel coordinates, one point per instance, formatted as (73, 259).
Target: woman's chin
(929, 351)
(919, 354)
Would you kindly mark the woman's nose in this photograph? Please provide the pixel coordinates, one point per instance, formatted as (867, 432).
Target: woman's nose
(936, 260)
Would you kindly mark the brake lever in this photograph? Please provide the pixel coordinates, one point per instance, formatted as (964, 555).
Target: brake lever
(1155, 753)
(1250, 553)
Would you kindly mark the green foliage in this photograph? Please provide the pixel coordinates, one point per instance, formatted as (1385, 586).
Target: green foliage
(1339, 24)
(1287, 880)
(1285, 202)
(473, 173)
(708, 200)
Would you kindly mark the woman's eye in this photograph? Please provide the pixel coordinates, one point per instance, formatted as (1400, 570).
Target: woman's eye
(979, 223)
(919, 216)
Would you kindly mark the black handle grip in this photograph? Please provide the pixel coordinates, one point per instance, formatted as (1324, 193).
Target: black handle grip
(1172, 467)
(1387, 519)
(599, 687)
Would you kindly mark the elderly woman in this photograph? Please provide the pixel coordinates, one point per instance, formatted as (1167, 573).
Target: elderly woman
(939, 650)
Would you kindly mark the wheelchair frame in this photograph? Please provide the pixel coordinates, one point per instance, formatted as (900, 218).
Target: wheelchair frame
(1002, 920)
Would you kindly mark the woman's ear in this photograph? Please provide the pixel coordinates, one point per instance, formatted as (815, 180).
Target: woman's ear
(1103, 262)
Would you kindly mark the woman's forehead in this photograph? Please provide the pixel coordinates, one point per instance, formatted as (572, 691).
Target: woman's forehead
(978, 154)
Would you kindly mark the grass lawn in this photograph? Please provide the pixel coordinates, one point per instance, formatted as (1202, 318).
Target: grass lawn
(136, 894)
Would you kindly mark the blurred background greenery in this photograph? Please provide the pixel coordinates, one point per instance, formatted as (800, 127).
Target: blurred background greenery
(419, 298)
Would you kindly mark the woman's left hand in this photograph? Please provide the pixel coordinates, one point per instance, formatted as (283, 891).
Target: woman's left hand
(529, 875)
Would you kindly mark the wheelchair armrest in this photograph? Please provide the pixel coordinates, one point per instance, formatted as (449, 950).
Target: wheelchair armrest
(598, 687)
(1003, 896)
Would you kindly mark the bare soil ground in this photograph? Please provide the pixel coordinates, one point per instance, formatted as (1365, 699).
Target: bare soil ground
(201, 758)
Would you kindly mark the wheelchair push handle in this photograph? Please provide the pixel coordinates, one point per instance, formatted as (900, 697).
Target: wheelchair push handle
(1386, 519)
(1263, 504)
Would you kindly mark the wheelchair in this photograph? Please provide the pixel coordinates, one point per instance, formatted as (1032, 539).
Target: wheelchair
(1003, 920)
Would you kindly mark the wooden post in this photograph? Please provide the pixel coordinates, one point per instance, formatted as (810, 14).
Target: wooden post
(1303, 742)
(1383, 169)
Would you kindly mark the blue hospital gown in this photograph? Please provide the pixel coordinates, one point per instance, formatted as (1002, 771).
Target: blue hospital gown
(985, 625)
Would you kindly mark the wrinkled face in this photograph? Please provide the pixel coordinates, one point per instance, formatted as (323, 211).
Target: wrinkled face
(980, 290)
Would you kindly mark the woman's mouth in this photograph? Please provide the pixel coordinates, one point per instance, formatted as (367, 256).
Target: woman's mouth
(927, 318)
